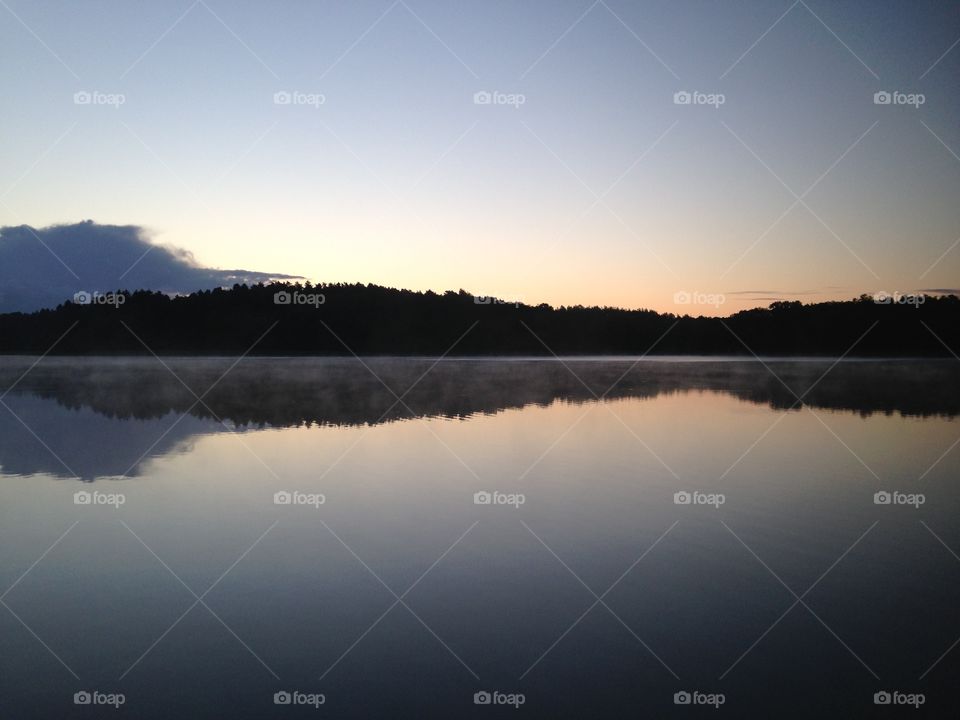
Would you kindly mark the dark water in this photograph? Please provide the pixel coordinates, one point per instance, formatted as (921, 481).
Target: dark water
(783, 588)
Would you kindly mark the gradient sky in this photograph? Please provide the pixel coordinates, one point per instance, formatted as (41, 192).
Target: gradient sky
(400, 179)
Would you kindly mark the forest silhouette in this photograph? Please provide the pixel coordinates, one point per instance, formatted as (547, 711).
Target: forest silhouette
(346, 319)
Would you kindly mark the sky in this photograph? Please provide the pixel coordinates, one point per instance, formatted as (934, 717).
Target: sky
(540, 151)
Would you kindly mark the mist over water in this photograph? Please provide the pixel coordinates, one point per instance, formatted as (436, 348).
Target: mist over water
(695, 498)
(321, 392)
(145, 408)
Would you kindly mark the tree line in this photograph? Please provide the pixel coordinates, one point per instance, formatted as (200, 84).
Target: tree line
(342, 319)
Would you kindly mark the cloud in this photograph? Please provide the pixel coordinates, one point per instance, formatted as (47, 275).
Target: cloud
(769, 298)
(779, 293)
(940, 291)
(42, 267)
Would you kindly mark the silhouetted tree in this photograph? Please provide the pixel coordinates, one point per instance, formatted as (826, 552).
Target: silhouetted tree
(340, 319)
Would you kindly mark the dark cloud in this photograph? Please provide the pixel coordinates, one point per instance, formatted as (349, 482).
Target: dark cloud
(940, 291)
(42, 267)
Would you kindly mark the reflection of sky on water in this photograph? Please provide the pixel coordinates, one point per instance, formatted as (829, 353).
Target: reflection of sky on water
(599, 480)
(91, 418)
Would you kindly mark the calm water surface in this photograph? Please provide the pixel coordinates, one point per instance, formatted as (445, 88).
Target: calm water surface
(588, 585)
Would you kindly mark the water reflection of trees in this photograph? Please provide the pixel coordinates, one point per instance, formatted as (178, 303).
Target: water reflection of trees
(84, 405)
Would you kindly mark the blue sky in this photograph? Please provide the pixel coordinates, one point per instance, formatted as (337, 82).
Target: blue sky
(582, 182)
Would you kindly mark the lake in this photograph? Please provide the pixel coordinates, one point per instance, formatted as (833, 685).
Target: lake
(589, 537)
